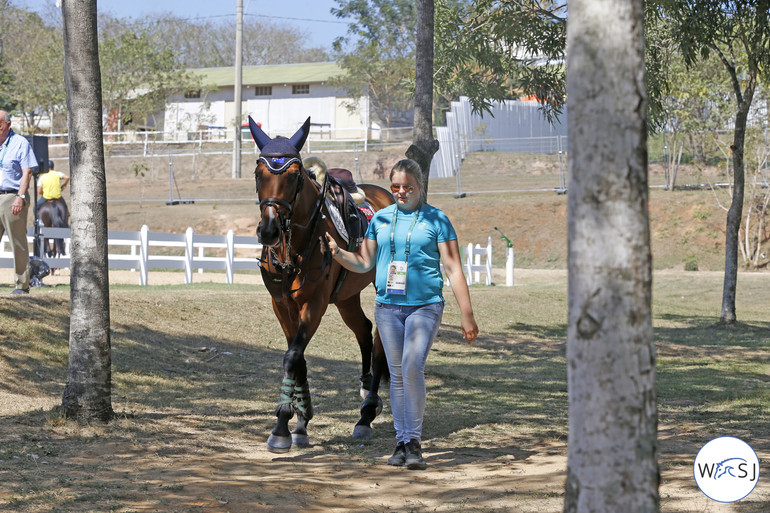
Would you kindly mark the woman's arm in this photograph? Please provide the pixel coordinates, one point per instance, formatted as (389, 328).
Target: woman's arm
(359, 262)
(450, 257)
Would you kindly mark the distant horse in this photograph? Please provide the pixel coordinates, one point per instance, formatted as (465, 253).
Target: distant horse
(53, 213)
(303, 280)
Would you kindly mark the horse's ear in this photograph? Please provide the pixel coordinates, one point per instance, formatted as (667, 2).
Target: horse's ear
(298, 139)
(260, 137)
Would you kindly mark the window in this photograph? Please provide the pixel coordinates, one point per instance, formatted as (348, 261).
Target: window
(263, 90)
(192, 94)
(300, 89)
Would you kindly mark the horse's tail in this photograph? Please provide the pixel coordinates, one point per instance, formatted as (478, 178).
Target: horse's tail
(59, 214)
(59, 220)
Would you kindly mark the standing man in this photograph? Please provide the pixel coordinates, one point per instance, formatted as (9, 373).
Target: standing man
(16, 163)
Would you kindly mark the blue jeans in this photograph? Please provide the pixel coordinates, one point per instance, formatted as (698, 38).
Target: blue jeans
(407, 334)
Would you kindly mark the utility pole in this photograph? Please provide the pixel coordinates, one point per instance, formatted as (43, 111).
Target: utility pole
(238, 87)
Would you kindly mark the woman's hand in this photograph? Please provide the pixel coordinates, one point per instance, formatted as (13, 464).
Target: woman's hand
(334, 249)
(469, 327)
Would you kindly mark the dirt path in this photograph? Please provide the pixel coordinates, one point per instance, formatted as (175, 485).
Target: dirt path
(211, 458)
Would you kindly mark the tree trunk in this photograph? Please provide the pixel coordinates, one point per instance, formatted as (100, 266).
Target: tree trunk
(424, 146)
(735, 213)
(89, 382)
(612, 453)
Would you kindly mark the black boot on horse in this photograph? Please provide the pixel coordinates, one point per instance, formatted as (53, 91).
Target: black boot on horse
(303, 280)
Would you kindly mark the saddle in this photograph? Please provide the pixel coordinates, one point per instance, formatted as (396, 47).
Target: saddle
(345, 201)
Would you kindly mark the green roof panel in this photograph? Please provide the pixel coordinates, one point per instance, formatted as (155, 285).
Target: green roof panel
(274, 74)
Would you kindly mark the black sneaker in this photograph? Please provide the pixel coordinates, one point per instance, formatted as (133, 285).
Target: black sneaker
(414, 459)
(19, 291)
(399, 455)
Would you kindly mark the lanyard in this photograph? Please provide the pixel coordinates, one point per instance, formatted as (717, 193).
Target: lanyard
(408, 235)
(7, 143)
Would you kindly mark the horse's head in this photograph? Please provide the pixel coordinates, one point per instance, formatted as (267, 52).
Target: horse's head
(279, 176)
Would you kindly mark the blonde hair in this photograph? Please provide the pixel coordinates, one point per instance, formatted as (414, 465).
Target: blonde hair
(409, 167)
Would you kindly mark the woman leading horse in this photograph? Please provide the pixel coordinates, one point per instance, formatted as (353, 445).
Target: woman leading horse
(303, 280)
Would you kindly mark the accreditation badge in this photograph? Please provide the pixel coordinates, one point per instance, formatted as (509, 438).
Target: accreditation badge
(396, 283)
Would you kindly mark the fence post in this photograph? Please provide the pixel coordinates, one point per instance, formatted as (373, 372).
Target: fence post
(469, 264)
(509, 267)
(230, 256)
(489, 261)
(188, 254)
(144, 253)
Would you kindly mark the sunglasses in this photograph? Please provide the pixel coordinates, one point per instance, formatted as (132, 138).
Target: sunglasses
(409, 189)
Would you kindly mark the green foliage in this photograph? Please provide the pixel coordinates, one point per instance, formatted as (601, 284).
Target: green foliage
(137, 76)
(490, 50)
(211, 43)
(689, 98)
(31, 76)
(379, 55)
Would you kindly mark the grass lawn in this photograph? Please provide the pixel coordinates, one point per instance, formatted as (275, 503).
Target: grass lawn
(196, 372)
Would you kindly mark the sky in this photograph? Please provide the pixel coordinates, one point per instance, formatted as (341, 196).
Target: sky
(313, 16)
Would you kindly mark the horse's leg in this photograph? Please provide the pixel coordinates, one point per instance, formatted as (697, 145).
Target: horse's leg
(311, 314)
(295, 391)
(280, 438)
(372, 405)
(354, 318)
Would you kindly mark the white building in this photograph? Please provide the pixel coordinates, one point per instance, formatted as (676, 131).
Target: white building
(279, 97)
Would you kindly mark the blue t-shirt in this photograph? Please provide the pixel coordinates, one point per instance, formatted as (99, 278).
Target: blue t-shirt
(15, 155)
(424, 282)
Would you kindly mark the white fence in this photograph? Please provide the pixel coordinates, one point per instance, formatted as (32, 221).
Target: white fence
(137, 255)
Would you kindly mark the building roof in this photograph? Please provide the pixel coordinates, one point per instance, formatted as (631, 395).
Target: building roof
(274, 74)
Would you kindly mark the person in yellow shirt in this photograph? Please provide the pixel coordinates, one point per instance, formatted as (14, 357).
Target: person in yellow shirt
(50, 185)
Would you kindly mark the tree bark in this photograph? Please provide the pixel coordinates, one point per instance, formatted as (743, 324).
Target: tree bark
(424, 146)
(89, 381)
(612, 453)
(735, 213)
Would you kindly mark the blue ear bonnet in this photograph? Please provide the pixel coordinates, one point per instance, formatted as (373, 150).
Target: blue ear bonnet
(280, 146)
(277, 164)
(279, 153)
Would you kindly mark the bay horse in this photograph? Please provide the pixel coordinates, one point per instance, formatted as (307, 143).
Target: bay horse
(303, 280)
(53, 213)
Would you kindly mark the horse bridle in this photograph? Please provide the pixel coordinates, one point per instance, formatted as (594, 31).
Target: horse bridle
(277, 165)
(283, 162)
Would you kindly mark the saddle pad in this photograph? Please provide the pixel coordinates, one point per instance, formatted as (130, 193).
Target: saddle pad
(367, 209)
(336, 217)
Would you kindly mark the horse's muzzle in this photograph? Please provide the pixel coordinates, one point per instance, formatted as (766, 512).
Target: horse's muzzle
(269, 231)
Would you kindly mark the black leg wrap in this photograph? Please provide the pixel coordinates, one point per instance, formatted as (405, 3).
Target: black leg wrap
(286, 400)
(303, 406)
(366, 381)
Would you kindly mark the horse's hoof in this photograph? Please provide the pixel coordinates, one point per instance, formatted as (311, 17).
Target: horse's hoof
(278, 444)
(362, 432)
(300, 440)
